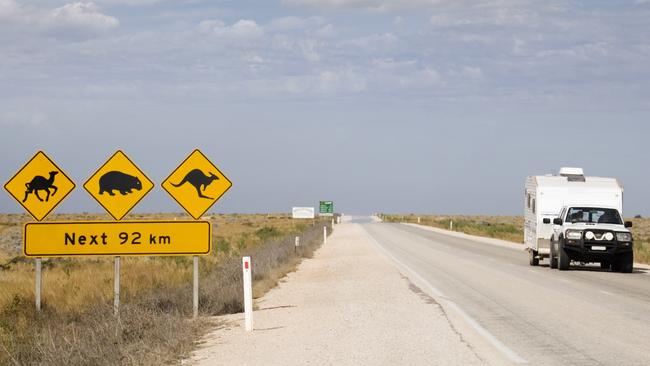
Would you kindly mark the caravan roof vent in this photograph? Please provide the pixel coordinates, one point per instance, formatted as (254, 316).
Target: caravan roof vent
(573, 174)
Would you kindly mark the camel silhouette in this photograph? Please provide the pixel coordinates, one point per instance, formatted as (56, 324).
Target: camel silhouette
(40, 183)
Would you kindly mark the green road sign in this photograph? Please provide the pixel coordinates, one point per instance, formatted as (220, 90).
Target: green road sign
(326, 208)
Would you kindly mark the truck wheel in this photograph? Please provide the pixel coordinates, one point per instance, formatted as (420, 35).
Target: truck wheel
(552, 259)
(626, 262)
(532, 258)
(563, 260)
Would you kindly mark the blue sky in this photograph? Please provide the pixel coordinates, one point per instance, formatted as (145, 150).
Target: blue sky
(398, 106)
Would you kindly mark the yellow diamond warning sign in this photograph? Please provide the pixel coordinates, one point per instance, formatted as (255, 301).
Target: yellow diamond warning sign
(118, 185)
(196, 184)
(39, 186)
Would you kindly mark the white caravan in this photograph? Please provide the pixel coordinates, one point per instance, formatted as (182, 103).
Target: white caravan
(546, 195)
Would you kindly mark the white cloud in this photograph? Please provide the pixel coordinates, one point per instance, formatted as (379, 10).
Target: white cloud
(85, 17)
(81, 15)
(378, 5)
(472, 72)
(8, 8)
(242, 29)
(291, 23)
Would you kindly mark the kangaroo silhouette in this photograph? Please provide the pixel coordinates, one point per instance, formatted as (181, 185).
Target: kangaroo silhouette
(199, 180)
(40, 183)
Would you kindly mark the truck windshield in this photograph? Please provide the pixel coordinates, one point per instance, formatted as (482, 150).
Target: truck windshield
(593, 215)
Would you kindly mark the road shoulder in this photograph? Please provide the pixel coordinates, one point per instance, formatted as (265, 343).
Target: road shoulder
(348, 305)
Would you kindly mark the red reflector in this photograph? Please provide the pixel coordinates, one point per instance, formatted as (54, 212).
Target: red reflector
(246, 265)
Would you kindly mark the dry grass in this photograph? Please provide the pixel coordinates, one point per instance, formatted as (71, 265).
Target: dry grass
(76, 327)
(511, 228)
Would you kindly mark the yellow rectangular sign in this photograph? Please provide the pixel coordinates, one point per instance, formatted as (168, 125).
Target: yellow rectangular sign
(144, 238)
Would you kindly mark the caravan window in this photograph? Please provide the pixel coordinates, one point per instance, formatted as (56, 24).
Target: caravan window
(534, 208)
(527, 200)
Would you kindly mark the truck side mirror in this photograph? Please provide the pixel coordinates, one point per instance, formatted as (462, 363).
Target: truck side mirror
(557, 221)
(628, 223)
(546, 220)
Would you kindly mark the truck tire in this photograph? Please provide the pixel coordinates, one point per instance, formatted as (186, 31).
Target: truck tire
(532, 258)
(552, 259)
(625, 262)
(563, 260)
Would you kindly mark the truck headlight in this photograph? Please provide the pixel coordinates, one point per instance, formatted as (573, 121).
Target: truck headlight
(573, 234)
(623, 236)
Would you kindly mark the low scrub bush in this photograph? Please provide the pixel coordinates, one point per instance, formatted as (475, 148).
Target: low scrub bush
(154, 325)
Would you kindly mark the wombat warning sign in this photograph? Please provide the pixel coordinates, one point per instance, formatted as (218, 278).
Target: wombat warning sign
(118, 185)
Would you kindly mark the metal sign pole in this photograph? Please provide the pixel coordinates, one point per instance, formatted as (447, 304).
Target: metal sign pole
(324, 235)
(196, 287)
(38, 283)
(116, 296)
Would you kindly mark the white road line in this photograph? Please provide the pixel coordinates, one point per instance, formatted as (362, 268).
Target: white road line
(606, 293)
(441, 298)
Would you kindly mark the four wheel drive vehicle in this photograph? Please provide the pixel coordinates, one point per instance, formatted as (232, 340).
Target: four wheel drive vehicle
(591, 234)
(546, 196)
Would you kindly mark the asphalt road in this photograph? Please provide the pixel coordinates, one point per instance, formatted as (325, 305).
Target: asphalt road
(526, 315)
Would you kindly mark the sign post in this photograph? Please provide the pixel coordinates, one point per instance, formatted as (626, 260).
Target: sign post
(324, 235)
(195, 288)
(37, 294)
(118, 185)
(116, 283)
(39, 186)
(196, 184)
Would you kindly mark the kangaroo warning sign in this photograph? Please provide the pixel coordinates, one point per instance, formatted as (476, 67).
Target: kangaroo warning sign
(39, 186)
(118, 185)
(196, 184)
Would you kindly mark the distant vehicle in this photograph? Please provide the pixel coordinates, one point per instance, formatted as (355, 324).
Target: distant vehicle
(599, 235)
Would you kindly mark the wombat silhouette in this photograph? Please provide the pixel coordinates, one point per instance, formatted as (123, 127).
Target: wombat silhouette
(40, 183)
(199, 180)
(118, 181)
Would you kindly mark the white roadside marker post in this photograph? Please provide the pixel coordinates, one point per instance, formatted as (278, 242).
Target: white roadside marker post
(451, 225)
(116, 288)
(38, 281)
(248, 293)
(324, 235)
(297, 244)
(195, 289)
(418, 219)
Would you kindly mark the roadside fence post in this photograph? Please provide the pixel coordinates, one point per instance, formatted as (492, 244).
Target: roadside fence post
(248, 293)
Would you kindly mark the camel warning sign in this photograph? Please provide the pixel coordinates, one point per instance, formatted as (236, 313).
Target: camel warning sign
(196, 184)
(39, 186)
(118, 185)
